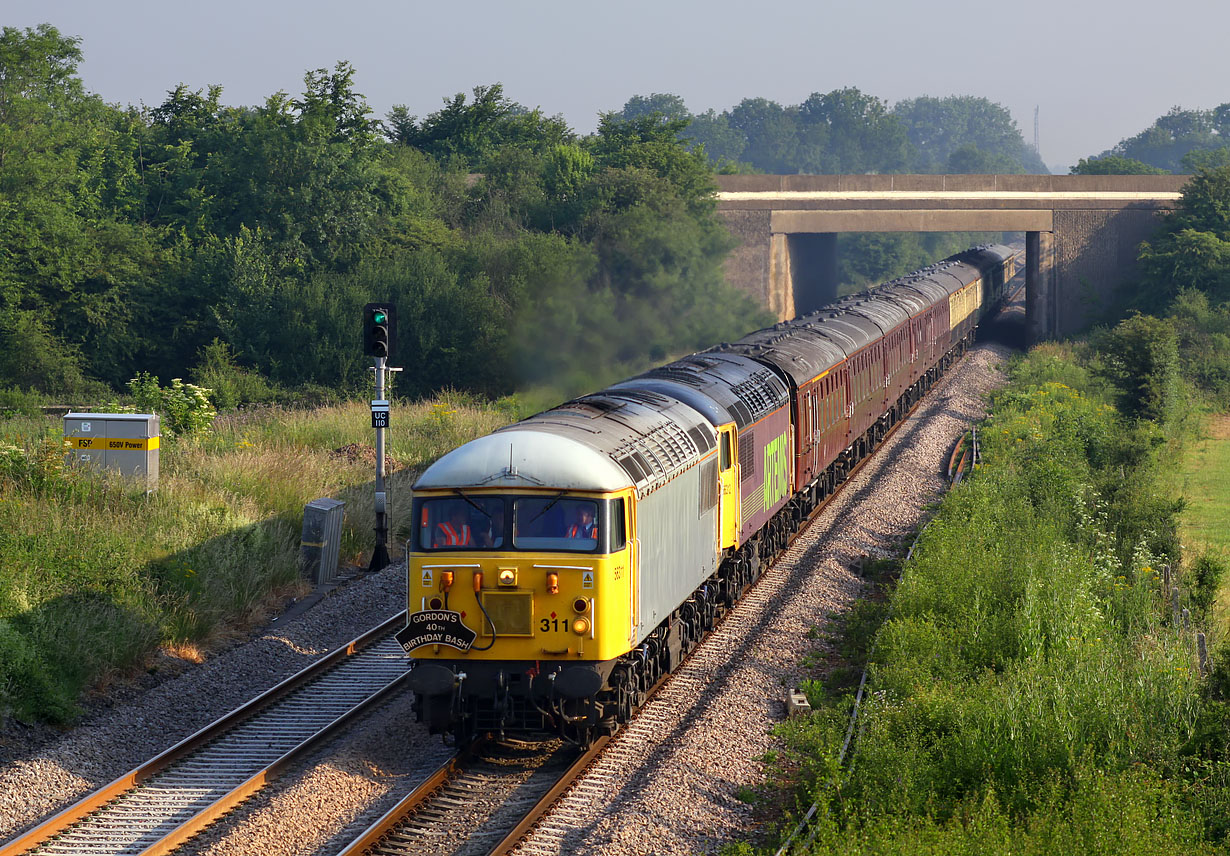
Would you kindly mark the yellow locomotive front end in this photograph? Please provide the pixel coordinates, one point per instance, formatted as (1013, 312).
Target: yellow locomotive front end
(521, 594)
(558, 567)
(520, 576)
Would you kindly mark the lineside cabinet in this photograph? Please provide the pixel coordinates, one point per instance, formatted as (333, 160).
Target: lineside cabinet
(124, 442)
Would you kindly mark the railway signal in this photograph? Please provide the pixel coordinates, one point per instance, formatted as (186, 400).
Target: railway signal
(379, 341)
(379, 329)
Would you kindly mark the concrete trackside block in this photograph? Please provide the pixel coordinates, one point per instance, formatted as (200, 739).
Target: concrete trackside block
(797, 704)
(321, 541)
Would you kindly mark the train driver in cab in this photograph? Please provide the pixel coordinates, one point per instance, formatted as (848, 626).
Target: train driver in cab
(586, 526)
(455, 532)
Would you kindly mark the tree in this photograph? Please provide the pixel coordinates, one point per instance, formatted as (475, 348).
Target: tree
(771, 134)
(723, 144)
(330, 98)
(1114, 165)
(66, 183)
(653, 144)
(38, 82)
(474, 131)
(1203, 160)
(1192, 249)
(1172, 137)
(938, 127)
(970, 160)
(846, 131)
(1205, 204)
(663, 103)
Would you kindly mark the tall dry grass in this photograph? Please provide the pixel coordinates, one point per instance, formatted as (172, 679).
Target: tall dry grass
(95, 573)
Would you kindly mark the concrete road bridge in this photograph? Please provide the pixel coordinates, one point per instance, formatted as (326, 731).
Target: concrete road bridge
(1081, 231)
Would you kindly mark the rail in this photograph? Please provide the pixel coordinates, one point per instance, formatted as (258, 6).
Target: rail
(162, 803)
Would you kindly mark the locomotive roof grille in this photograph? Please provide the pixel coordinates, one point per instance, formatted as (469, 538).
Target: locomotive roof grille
(742, 413)
(701, 438)
(756, 392)
(635, 466)
(679, 375)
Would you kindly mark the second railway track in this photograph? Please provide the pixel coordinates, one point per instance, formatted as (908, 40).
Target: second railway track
(166, 801)
(477, 802)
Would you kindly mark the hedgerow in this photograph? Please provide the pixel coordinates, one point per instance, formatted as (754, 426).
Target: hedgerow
(1030, 691)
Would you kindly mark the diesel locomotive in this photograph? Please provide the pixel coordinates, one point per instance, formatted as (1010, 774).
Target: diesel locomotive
(560, 565)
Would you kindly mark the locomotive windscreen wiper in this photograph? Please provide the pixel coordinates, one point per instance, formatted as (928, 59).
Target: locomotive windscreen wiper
(472, 502)
(557, 498)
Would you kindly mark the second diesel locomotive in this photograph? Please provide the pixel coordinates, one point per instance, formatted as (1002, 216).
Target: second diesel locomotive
(559, 566)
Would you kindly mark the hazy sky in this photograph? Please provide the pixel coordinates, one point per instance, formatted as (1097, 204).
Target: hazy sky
(1097, 71)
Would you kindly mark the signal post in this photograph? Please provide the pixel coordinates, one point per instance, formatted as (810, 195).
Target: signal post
(379, 340)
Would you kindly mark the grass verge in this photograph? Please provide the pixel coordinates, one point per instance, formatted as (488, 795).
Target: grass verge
(95, 574)
(1205, 486)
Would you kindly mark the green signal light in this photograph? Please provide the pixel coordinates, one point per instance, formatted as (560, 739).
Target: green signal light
(380, 316)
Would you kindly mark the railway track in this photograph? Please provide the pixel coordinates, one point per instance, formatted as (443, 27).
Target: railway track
(481, 801)
(167, 800)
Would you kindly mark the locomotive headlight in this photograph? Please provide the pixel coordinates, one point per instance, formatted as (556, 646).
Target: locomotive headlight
(508, 576)
(580, 625)
(580, 606)
(552, 583)
(446, 580)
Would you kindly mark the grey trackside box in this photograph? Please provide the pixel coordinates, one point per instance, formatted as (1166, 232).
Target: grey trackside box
(322, 540)
(124, 442)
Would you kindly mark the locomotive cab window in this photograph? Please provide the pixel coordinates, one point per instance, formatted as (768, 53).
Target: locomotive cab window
(478, 522)
(555, 523)
(461, 523)
(618, 528)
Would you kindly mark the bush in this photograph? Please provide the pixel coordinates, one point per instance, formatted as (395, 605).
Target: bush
(1205, 576)
(1141, 357)
(229, 385)
(1026, 695)
(26, 689)
(184, 408)
(18, 402)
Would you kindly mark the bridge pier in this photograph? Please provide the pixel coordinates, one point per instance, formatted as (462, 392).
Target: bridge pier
(1040, 286)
